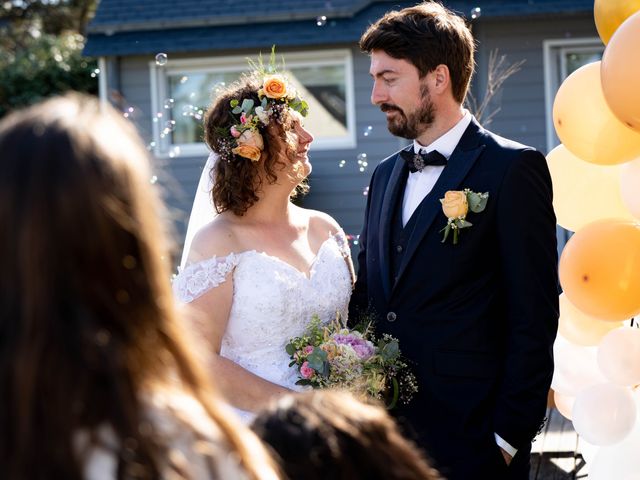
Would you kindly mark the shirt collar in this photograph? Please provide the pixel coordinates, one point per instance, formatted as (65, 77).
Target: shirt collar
(447, 142)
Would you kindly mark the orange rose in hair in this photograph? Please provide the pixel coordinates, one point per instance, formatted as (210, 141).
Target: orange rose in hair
(248, 151)
(275, 86)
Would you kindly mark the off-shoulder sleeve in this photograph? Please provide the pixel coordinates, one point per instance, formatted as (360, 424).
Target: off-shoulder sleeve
(197, 278)
(342, 242)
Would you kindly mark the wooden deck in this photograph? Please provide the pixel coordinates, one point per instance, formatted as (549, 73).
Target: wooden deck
(556, 453)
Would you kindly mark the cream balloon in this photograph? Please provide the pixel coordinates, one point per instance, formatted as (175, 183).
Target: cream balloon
(609, 14)
(584, 192)
(620, 70)
(585, 124)
(580, 328)
(604, 414)
(576, 368)
(619, 356)
(564, 404)
(630, 186)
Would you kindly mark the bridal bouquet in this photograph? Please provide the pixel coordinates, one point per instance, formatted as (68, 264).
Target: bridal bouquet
(333, 356)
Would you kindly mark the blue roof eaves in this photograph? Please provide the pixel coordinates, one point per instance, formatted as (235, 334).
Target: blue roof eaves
(299, 33)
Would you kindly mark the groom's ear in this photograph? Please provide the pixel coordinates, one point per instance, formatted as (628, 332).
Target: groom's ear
(440, 79)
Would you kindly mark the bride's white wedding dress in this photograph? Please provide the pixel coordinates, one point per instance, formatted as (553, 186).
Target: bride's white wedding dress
(272, 302)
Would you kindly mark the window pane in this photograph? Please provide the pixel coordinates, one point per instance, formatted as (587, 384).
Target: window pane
(578, 59)
(323, 87)
(191, 94)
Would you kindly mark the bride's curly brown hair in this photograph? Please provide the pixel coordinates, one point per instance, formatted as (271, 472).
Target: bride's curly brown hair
(237, 180)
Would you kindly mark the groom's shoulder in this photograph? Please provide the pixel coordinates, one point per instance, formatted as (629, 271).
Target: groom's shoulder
(386, 165)
(510, 149)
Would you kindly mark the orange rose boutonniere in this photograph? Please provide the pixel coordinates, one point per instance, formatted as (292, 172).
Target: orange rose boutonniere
(455, 205)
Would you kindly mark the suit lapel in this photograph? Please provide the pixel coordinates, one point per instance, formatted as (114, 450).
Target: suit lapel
(458, 165)
(389, 202)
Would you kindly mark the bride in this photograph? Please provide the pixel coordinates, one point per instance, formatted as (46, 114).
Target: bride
(260, 270)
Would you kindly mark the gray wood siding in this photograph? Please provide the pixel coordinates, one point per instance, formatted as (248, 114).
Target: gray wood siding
(521, 100)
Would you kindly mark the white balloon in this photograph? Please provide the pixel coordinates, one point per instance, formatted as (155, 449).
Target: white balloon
(576, 367)
(604, 414)
(620, 461)
(619, 356)
(630, 186)
(587, 450)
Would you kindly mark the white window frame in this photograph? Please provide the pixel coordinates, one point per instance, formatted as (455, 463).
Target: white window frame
(159, 89)
(553, 77)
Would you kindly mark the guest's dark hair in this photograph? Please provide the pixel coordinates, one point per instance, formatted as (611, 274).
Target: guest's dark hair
(328, 434)
(237, 180)
(87, 321)
(426, 35)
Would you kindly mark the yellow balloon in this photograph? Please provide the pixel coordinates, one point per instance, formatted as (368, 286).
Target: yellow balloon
(600, 270)
(609, 14)
(585, 124)
(620, 73)
(584, 192)
(580, 328)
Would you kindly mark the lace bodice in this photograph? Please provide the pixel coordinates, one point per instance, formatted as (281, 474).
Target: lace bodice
(272, 302)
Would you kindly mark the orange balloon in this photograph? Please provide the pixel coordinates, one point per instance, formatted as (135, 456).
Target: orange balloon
(585, 124)
(600, 270)
(580, 328)
(584, 192)
(620, 73)
(609, 14)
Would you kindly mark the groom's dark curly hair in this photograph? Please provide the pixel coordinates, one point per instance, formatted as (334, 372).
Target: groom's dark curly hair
(237, 180)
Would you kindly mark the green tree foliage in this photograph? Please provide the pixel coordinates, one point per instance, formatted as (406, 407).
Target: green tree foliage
(41, 50)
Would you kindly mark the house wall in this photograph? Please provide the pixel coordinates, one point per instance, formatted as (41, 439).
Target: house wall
(339, 191)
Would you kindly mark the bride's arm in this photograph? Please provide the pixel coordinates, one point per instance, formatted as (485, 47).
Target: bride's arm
(241, 388)
(210, 309)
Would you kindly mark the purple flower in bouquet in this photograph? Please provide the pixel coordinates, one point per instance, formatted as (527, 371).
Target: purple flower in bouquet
(363, 348)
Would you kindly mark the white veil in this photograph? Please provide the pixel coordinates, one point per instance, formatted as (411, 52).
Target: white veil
(203, 210)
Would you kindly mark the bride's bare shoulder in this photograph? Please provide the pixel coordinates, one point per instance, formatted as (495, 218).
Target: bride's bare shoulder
(216, 239)
(322, 223)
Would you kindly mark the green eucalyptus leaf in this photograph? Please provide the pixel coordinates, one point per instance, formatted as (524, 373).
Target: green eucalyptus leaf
(290, 349)
(477, 201)
(247, 105)
(461, 223)
(316, 359)
(390, 351)
(237, 110)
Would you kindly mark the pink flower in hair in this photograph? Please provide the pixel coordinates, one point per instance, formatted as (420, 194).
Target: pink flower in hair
(234, 132)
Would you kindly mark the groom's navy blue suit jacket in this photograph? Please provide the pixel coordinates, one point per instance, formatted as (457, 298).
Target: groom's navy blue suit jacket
(477, 319)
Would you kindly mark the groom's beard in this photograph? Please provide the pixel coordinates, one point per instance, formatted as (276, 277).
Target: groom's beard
(412, 125)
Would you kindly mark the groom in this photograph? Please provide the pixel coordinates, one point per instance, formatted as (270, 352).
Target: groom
(476, 312)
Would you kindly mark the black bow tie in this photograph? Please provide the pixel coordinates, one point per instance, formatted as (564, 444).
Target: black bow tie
(417, 161)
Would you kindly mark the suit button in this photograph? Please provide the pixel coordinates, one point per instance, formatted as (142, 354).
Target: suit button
(391, 317)
(399, 249)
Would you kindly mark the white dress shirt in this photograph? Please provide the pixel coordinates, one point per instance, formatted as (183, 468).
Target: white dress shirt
(419, 184)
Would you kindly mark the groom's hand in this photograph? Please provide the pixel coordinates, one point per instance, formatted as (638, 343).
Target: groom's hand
(506, 456)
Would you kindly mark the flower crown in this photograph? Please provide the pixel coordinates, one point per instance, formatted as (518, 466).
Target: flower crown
(277, 97)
